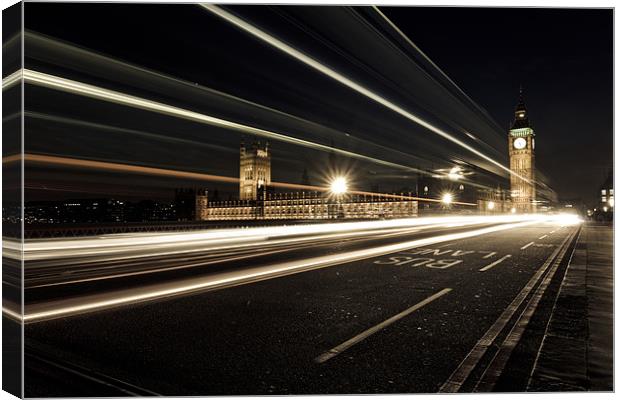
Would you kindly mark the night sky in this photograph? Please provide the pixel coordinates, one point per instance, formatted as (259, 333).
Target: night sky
(563, 59)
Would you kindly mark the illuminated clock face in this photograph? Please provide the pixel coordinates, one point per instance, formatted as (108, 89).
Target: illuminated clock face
(519, 143)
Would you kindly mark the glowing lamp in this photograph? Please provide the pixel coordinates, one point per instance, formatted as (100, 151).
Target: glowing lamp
(339, 185)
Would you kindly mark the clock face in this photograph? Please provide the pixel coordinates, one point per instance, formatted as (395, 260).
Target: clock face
(519, 143)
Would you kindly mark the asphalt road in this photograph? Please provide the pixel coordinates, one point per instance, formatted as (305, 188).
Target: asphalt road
(417, 320)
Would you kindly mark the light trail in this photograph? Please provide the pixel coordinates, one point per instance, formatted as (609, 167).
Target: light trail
(136, 71)
(218, 239)
(322, 68)
(117, 129)
(87, 90)
(128, 168)
(125, 168)
(419, 51)
(12, 79)
(88, 303)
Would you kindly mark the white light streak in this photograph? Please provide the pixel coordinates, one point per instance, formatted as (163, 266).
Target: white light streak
(67, 307)
(271, 40)
(12, 79)
(84, 89)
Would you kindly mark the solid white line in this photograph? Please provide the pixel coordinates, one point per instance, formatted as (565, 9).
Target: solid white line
(494, 263)
(358, 338)
(458, 377)
(487, 381)
(527, 245)
(542, 237)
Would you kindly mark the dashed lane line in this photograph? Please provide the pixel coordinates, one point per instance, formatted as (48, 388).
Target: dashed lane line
(527, 245)
(456, 380)
(494, 263)
(542, 237)
(494, 370)
(371, 331)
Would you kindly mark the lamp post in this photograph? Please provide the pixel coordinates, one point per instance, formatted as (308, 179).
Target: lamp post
(447, 199)
(338, 187)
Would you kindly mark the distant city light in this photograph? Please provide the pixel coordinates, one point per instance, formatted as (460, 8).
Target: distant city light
(513, 210)
(446, 198)
(491, 205)
(611, 202)
(339, 185)
(455, 174)
(605, 209)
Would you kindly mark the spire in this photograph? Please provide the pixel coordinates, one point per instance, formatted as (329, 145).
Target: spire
(521, 118)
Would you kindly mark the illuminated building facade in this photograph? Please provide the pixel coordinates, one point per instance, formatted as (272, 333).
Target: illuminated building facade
(254, 170)
(606, 193)
(521, 146)
(256, 201)
(309, 205)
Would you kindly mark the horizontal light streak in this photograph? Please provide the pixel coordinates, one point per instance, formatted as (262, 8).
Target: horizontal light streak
(125, 168)
(84, 89)
(128, 168)
(12, 79)
(322, 68)
(138, 71)
(68, 307)
(218, 239)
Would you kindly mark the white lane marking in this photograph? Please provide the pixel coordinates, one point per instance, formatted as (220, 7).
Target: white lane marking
(488, 267)
(552, 232)
(487, 381)
(527, 245)
(542, 237)
(491, 253)
(458, 377)
(371, 331)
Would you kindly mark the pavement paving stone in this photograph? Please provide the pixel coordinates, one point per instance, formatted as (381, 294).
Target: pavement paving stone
(576, 354)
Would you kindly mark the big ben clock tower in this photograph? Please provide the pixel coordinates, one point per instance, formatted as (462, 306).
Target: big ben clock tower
(521, 150)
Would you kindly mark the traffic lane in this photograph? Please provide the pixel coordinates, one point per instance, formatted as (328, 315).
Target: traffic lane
(426, 349)
(264, 337)
(266, 312)
(176, 269)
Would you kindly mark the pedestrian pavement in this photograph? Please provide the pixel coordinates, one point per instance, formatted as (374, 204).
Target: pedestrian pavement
(577, 350)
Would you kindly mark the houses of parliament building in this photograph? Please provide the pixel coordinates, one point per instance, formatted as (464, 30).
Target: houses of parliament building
(258, 201)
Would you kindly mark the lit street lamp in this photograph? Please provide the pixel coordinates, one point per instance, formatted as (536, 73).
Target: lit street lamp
(339, 185)
(446, 198)
(490, 205)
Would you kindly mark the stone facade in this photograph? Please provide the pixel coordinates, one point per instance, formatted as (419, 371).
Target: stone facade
(521, 146)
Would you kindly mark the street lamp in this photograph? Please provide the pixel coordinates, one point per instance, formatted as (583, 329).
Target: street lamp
(339, 185)
(338, 188)
(490, 205)
(446, 198)
(454, 174)
(513, 210)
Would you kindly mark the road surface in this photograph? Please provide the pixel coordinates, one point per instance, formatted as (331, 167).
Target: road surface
(460, 313)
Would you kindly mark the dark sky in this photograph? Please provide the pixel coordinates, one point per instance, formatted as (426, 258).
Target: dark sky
(563, 58)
